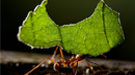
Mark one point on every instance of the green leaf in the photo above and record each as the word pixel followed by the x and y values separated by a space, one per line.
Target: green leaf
pixel 38 29
pixel 94 35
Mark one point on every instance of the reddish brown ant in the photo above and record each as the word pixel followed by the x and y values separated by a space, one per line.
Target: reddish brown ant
pixel 72 62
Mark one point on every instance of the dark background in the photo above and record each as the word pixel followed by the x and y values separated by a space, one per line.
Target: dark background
pixel 66 12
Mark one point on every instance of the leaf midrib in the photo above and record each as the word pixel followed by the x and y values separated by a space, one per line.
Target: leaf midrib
pixel 103 19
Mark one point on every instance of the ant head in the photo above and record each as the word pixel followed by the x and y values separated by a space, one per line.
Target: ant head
pixel 80 57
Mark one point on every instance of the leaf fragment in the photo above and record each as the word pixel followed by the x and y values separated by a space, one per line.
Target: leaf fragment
pixel 94 35
pixel 38 29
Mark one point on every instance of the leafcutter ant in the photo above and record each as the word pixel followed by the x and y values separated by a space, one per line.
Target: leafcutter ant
pixel 72 62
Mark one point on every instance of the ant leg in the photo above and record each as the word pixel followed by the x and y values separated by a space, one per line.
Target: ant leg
pixel 89 65
pixel 61 53
pixel 103 55
pixel 76 68
pixel 39 65
pixel 97 65
pixel 54 54
pixel 76 63
pixel 62 56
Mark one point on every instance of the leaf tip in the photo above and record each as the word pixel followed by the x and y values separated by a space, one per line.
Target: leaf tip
pixel 44 2
pixel 102 0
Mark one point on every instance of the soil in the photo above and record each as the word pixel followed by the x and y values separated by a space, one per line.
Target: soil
pixel 18 63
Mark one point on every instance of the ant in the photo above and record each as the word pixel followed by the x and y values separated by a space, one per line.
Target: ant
pixel 72 62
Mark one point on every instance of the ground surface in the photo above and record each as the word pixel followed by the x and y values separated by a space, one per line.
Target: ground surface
pixel 18 63
pixel 20 69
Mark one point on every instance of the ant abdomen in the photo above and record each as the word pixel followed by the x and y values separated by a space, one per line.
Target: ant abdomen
pixel 57 67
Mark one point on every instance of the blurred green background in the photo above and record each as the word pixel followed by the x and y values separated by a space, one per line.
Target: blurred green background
pixel 65 12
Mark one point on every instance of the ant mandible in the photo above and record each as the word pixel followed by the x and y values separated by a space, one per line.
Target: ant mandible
pixel 72 62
